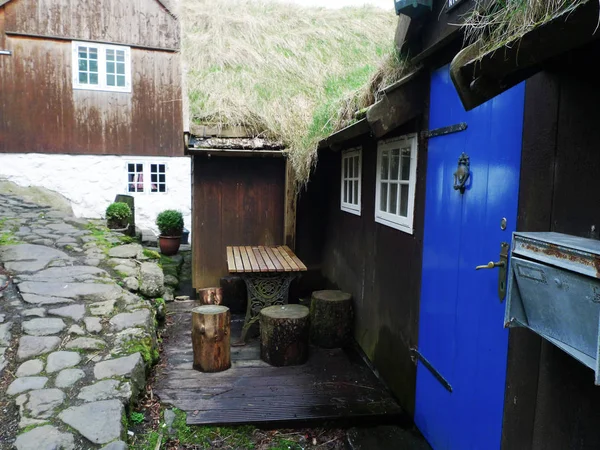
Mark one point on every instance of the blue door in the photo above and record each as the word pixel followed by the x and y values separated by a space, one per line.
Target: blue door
pixel 462 343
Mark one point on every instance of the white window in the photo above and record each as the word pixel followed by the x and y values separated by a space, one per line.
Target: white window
pixel 135 177
pixel 158 181
pixel 396 180
pixel 147 177
pixel 351 175
pixel 101 67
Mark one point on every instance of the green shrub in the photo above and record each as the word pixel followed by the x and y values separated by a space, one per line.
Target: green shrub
pixel 170 223
pixel 118 215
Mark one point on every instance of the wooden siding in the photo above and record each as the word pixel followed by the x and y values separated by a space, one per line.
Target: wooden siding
pixel 41 112
pixel 132 22
pixel 236 201
pixel 551 400
pixel 380 266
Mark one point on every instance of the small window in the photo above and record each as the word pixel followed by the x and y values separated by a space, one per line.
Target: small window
pixel 101 67
pixel 351 187
pixel 158 182
pixel 396 181
pixel 135 177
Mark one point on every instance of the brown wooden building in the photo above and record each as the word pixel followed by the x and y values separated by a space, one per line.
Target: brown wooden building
pixel 547 399
pixel 94 78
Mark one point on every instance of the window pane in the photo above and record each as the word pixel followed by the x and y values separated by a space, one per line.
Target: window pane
pixel 161 177
pixel 83 65
pixel 350 192
pixel 405 163
pixel 110 67
pixel 161 168
pixel 110 55
pixel 355 193
pixel 139 167
pixel 120 80
pixel 93 78
pixel 93 53
pixel 384 164
pixel 110 80
pixel 121 55
pixel 346 166
pixel 393 199
pixel 162 188
pixel 356 167
pixel 404 200
pixel 395 164
pixel 93 66
pixel 153 178
pixel 130 167
pixel 345 191
pixel 121 68
pixel 83 78
pixel 383 197
pixel 83 52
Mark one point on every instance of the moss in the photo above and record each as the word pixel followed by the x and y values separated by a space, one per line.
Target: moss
pixel 8 238
pixel 203 436
pixel 31 427
pixel 152 254
pixel 144 346
pixel 159 301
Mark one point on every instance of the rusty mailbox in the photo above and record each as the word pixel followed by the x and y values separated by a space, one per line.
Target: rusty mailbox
pixel 554 290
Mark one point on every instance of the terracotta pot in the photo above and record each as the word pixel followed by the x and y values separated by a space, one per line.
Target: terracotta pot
pixel 169 245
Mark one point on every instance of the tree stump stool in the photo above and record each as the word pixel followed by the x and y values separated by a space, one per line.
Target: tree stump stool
pixel 330 318
pixel 284 335
pixel 211 338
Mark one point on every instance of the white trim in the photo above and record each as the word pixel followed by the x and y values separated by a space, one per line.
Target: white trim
pixel 389 219
pixel 102 75
pixel 146 176
pixel 352 208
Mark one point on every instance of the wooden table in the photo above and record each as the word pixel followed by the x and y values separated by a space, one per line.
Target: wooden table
pixel 267 272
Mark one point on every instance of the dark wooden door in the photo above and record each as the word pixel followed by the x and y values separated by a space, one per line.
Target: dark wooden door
pixel 236 201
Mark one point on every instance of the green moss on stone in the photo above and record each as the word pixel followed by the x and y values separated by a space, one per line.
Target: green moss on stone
pixel 152 254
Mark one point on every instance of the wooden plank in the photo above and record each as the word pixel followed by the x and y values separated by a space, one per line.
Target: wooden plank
pixel 299 263
pixel 261 262
pixel 245 260
pixel 291 202
pixel 267 258
pixel 238 260
pixel 231 260
pixel 253 262
pixel 295 267
pixel 275 256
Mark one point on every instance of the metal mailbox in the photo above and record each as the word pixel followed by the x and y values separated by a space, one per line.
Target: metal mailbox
pixel 554 290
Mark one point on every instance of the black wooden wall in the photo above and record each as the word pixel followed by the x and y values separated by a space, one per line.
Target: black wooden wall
pixel 378 265
pixel 551 400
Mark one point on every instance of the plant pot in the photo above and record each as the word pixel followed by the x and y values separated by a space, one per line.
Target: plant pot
pixel 169 245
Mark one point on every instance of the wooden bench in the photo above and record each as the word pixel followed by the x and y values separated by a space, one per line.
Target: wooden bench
pixel 267 272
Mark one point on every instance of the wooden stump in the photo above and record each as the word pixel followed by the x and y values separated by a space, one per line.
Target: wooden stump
pixel 211 338
pixel 284 335
pixel 210 296
pixel 330 318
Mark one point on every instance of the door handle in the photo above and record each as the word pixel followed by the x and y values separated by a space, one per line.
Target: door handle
pixel 502 266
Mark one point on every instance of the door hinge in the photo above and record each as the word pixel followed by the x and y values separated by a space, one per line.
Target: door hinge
pixel 462 126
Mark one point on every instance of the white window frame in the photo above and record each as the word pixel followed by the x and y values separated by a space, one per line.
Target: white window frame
pixel 146 177
pixel 101 48
pixel 395 220
pixel 352 208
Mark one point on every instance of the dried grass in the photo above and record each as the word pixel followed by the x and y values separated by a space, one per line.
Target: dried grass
pixel 279 70
pixel 503 21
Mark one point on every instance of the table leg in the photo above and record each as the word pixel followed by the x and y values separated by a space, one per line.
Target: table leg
pixel 264 289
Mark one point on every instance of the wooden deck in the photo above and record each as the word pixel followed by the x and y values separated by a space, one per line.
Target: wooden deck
pixel 334 384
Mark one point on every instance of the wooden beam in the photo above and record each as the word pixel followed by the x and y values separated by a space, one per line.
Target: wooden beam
pixel 480 77
pixel 338 138
pixel 291 201
pixel 396 108
pixel 220 131
pixel 236 152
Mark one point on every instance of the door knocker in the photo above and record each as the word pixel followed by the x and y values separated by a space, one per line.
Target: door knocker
pixel 462 174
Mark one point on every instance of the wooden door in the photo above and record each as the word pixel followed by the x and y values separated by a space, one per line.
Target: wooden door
pixel 236 201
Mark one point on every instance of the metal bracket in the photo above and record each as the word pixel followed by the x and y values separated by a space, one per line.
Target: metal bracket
pixel 462 126
pixel 438 376
pixel 502 270
pixel 5 52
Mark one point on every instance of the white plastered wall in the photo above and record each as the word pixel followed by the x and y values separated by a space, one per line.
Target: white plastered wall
pixel 91 182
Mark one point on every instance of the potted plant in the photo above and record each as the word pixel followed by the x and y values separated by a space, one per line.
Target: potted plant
pixel 118 215
pixel 170 226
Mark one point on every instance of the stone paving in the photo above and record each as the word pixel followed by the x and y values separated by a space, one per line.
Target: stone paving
pixel 77 328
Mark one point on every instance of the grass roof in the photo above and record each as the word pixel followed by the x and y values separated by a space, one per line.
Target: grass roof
pixel 496 24
pixel 282 71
